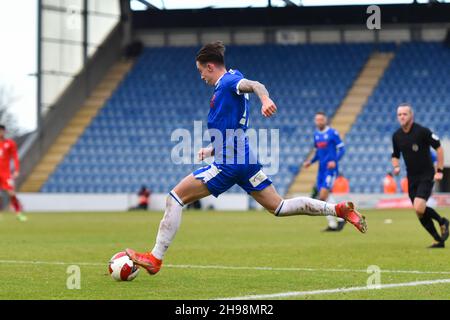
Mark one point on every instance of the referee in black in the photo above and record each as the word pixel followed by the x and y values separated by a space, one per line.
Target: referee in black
pixel 414 141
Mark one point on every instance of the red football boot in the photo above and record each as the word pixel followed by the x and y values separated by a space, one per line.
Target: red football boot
pixel 145 260
pixel 347 211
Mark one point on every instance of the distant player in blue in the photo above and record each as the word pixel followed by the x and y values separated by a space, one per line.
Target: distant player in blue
pixel 234 161
pixel 433 157
pixel 329 149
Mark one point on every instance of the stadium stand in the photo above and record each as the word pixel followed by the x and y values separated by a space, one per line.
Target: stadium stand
pixel 129 142
pixel 351 106
pixel 418 74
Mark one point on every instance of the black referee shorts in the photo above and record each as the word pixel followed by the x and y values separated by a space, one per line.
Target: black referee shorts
pixel 420 188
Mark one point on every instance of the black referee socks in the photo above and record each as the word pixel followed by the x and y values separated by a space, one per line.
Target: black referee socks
pixel 434 215
pixel 428 224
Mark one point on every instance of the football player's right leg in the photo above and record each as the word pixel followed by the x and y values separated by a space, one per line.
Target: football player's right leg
pixel 188 190
pixel 191 189
pixel 420 206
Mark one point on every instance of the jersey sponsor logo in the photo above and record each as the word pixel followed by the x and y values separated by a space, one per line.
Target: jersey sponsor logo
pixel 211 103
pixel 322 144
pixel 435 137
pixel 257 179
pixel 415 147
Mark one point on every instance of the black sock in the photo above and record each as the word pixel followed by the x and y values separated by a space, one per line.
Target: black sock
pixel 428 224
pixel 434 215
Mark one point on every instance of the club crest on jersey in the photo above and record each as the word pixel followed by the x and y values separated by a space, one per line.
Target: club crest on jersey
pixel 415 147
pixel 211 103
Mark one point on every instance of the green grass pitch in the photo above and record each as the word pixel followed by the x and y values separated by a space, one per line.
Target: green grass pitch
pixel 35 256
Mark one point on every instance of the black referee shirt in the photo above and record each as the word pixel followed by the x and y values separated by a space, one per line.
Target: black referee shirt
pixel 415 148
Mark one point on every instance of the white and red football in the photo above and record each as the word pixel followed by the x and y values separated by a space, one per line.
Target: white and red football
pixel 121 268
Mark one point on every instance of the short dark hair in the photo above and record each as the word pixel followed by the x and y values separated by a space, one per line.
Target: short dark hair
pixel 321 113
pixel 2 127
pixel 405 104
pixel 212 52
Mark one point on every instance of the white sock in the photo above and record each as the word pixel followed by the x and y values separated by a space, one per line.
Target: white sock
pixel 305 206
pixel 169 225
pixel 333 221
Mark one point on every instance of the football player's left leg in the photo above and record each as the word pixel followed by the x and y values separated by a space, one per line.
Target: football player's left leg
pixel 334 223
pixel 269 198
pixel 332 220
pixel 274 203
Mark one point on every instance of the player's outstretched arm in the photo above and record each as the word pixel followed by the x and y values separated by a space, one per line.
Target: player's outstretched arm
pixel 248 86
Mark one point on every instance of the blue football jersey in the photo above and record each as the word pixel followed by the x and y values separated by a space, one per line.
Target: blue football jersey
pixel 329 147
pixel 234 161
pixel 228 120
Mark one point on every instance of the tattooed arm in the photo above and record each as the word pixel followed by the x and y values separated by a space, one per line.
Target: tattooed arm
pixel 268 106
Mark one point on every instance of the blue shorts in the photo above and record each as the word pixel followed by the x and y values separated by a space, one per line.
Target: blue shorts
pixel 221 177
pixel 325 179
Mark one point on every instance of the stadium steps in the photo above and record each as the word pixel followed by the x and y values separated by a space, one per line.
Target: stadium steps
pixel 347 113
pixel 76 127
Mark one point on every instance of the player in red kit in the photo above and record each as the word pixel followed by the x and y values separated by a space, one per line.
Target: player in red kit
pixel 8 152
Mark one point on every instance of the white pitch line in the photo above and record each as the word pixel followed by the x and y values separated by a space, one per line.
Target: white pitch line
pixel 219 267
pixel 54 263
pixel 300 269
pixel 337 290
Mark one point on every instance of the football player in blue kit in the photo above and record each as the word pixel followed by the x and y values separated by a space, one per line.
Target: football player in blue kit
pixel 329 150
pixel 234 161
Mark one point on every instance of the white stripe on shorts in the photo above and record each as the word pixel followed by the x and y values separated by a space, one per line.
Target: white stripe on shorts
pixel 209 174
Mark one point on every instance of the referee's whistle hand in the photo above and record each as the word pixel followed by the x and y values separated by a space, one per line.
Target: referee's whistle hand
pixel 438 176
